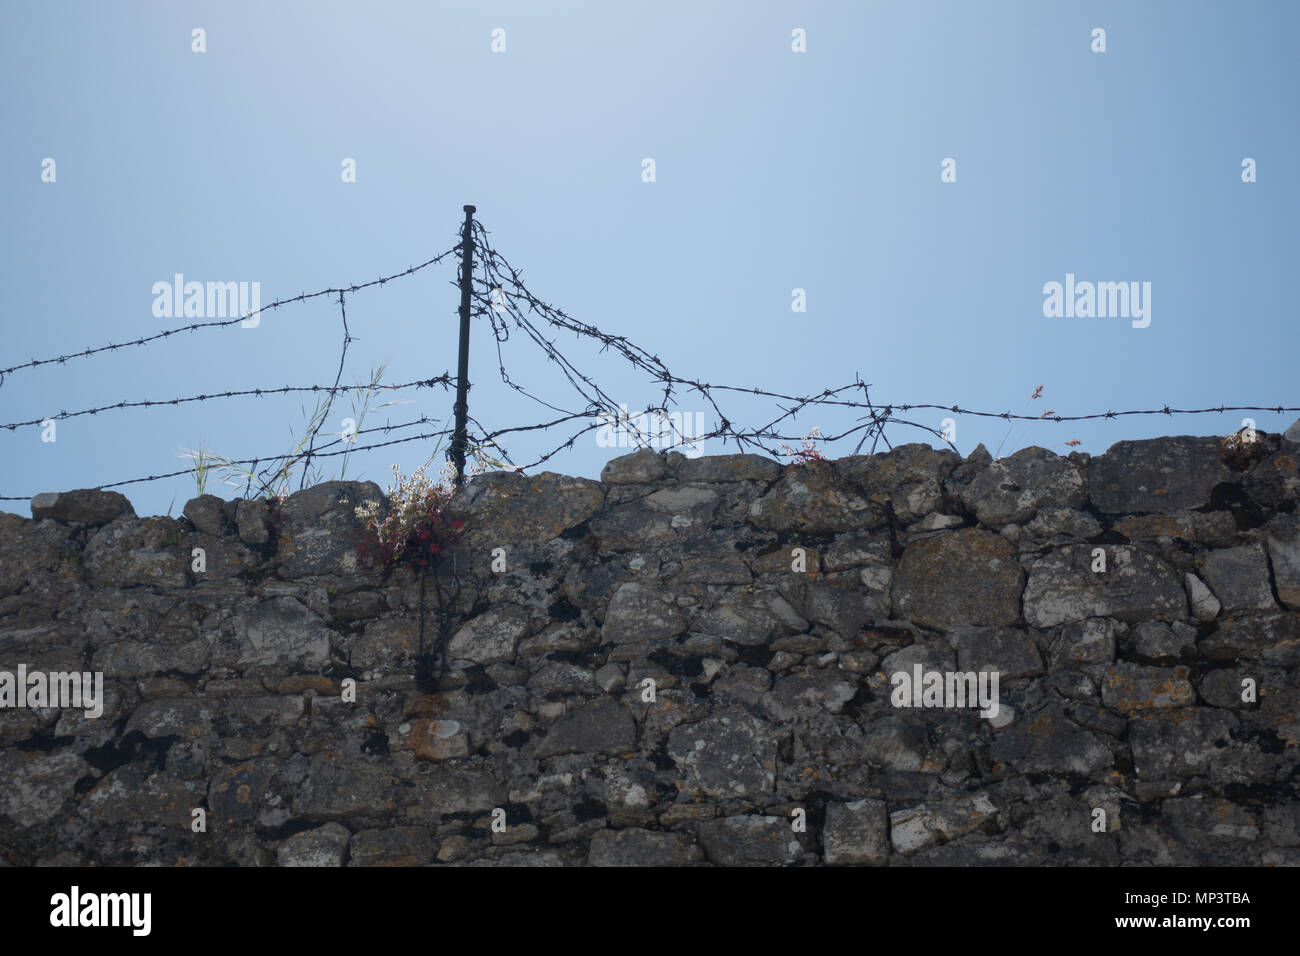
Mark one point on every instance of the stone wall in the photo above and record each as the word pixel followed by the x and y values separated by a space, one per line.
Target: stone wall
pixel 1147 706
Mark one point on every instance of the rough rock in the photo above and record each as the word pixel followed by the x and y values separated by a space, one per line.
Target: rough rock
pixel 970 577
pixel 1136 585
pixel 1012 490
pixel 85 506
pixel 1160 474
pixel 636 847
pixel 323 846
pixel 856 833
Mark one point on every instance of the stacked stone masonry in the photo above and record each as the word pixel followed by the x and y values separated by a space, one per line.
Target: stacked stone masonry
pixel 764 607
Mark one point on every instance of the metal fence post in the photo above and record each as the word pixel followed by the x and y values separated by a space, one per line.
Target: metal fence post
pixel 460 437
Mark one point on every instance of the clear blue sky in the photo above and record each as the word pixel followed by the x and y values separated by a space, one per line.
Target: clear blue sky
pixel 775 170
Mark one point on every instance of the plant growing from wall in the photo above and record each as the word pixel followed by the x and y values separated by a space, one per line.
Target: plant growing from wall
pixel 416 532
pixel 808 450
pixel 275 480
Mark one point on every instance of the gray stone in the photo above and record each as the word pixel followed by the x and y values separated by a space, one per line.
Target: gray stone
pixel 398 846
pixel 223 558
pixel 730 754
pixel 749 841
pixel 1179 742
pixel 641 466
pixel 729 468
pixel 931 655
pixel 320 531
pixel 130 551
pixel 1063 521
pixel 1239 578
pixel 1205 606
pixel 1009 652
pixel 911 476
pixel 1223 688
pixel 1272 639
pixel 799 694
pixel 38 785
pixel 856 834
pixel 492 637
pixel 1090 641
pixel 969 577
pixel 814 499
pixel 1048 742
pixel 640 614
pixel 687 503
pixel 204 513
pixel 507 506
pixel 746 684
pixel 601 727
pixel 557 678
pixel 1160 474
pixel 1216 829
pixel 636 847
pixel 750 619
pixel 238 795
pixel 323 846
pixel 849 551
pixel 26 548
pixel 84 506
pixel 937 522
pixel 1275 481
pixel 896 743
pixel 1135 586
pixel 1133 689
pixel 282 633
pixel 844 605
pixel 918 827
pixel 610 677
pixel 132 795
pixel 186 717
pixel 251 516
pixel 1012 490
pixel 448 789
pixel 1284 553
pixel 1151 639
pixel 718 570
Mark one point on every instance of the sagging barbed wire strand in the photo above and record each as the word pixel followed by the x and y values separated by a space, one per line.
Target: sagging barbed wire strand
pixel 502 293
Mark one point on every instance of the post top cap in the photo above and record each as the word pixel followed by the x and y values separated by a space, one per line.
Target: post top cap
pixel 470 209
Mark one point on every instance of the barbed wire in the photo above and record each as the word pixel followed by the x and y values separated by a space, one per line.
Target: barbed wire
pixel 195 326
pixel 278 466
pixel 224 463
pixel 445 380
pixel 497 290
pixel 502 294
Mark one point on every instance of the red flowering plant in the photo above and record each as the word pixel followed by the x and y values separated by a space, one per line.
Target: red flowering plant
pixel 415 529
